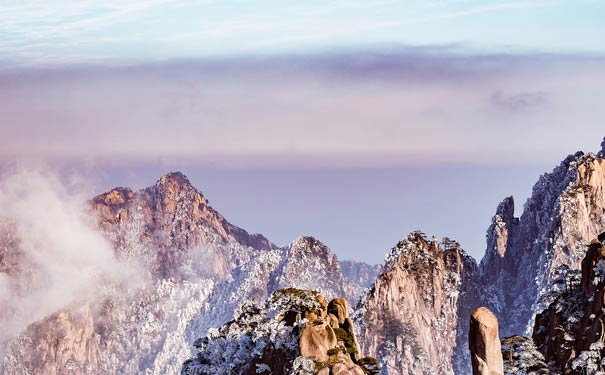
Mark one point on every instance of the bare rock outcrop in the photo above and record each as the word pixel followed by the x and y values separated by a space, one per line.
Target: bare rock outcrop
pixel 484 343
pixel 316 338
pixel 414 318
pixel 65 344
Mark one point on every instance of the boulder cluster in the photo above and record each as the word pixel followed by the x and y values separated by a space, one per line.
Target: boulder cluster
pixel 328 338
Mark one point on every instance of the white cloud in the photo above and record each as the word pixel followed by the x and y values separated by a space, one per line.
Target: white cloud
pixel 62 258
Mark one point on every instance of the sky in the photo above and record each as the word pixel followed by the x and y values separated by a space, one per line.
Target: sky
pixel 353 121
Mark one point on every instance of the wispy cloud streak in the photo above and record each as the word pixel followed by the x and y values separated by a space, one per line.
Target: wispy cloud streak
pixel 354 108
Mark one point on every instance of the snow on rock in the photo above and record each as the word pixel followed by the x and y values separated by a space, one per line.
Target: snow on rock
pixel 571 331
pixel 524 255
pixel 291 333
pixel 359 274
pixel 414 319
pixel 199 269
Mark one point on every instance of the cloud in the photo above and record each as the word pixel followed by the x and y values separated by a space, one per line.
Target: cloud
pixel 55 257
pixel 518 102
pixel 374 107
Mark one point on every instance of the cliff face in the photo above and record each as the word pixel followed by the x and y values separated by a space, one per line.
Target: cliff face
pixel 566 210
pixel 414 319
pixel 198 269
pixel 571 331
pixel 309 264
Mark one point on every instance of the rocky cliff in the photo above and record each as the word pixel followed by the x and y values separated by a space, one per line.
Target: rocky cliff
pixel 524 255
pixel 414 319
pixel 571 331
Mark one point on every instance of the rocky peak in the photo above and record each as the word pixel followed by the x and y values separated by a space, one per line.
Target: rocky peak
pixel 174 187
pixel 565 211
pixel 409 319
pixel 601 153
pixel 506 209
pixel 500 235
pixel 307 245
pixel 172 210
pixel 309 264
pixel 174 178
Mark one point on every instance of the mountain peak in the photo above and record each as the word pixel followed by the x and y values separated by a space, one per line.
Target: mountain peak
pixel 307 245
pixel 177 178
pixel 506 208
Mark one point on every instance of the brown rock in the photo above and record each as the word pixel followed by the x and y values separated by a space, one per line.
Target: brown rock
pixel 316 338
pixel 350 329
pixel 338 307
pixel 324 304
pixel 484 343
pixel 344 368
pixel 332 320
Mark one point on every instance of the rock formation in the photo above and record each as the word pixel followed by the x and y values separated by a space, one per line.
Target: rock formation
pixel 484 343
pixel 309 264
pixel 266 340
pixel 410 320
pixel 525 255
pixel 200 268
pixel 571 331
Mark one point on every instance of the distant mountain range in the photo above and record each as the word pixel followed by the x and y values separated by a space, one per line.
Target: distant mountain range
pixel 411 313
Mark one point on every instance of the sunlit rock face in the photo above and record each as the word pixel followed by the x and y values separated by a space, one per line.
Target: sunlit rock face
pixel 566 211
pixel 414 319
pixel 194 269
pixel 484 343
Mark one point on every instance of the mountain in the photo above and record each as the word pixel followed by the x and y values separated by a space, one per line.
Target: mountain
pixel 189 271
pixel 414 319
pixel 359 273
pixel 195 268
pixel 524 255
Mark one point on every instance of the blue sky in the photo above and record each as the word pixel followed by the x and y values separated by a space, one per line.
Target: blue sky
pixel 59 32
pixel 354 121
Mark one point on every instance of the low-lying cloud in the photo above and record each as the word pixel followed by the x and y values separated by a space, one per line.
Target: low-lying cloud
pixel 51 254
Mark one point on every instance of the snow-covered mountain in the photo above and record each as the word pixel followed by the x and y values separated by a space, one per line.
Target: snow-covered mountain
pixel 199 268
pixel 190 270
pixel 524 255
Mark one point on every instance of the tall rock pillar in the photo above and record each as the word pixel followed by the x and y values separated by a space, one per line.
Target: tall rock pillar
pixel 484 343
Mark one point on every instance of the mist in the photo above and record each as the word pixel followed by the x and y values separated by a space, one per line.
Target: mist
pixel 57 257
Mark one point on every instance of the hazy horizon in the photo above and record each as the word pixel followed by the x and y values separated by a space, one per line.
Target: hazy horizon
pixel 355 122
